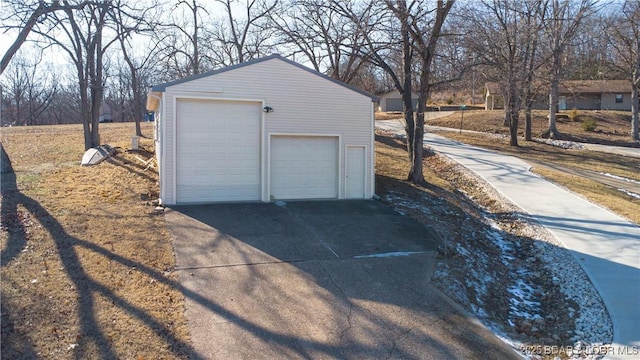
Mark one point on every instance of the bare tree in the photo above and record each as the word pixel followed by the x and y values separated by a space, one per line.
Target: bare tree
pixel 182 46
pixel 80 34
pixel 623 30
pixel 425 28
pixel 504 34
pixel 30 88
pixel 29 14
pixel 590 52
pixel 532 16
pixel 326 38
pixel 380 29
pixel 129 22
pixel 243 37
pixel 411 29
pixel 563 21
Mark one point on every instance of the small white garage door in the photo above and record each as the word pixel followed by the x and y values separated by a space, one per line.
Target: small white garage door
pixel 304 167
pixel 218 151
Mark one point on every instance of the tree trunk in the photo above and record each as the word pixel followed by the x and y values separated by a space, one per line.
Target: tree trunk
pixel 513 114
pixel 415 171
pixel 552 132
pixel 407 55
pixel 513 127
pixel 527 123
pixel 84 111
pixel 506 120
pixel 635 107
pixel 635 101
pixel 137 100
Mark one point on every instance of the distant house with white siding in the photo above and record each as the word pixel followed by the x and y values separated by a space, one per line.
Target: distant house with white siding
pixel 574 94
pixel 264 130
pixel 493 98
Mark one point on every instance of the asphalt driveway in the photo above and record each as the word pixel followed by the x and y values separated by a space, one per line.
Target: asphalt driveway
pixel 330 279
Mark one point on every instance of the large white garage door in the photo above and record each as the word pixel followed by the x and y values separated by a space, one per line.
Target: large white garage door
pixel 304 167
pixel 218 151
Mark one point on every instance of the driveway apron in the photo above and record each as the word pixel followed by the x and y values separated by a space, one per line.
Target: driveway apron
pixel 319 280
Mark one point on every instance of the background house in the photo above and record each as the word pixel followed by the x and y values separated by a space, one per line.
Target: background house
pixel 392 101
pixel 493 98
pixel 574 94
pixel 595 95
pixel 253 132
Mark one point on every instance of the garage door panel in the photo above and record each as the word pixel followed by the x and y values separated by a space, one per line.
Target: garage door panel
pixel 304 167
pixel 218 147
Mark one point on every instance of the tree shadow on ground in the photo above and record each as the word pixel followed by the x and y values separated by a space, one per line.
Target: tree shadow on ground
pixel 86 288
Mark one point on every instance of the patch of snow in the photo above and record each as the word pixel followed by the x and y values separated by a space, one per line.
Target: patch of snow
pixel 593 325
pixel 389 254
pixel 402 201
pixel 620 178
pixel 632 194
pixel 562 143
pixel 521 305
pixel 461 250
pixel 505 247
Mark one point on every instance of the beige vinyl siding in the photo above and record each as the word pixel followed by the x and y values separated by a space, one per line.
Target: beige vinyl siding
pixel 304 103
pixel 609 102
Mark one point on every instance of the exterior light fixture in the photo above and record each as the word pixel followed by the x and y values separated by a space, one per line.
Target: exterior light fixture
pixel 268 109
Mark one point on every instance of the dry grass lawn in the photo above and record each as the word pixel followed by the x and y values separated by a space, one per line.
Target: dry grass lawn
pixel 86 262
pixel 607 196
pixel 612 127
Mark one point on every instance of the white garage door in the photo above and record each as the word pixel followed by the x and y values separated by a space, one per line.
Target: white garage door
pixel 304 167
pixel 218 151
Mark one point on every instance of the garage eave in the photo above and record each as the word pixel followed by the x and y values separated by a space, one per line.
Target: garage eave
pixel 163 87
pixel 153 100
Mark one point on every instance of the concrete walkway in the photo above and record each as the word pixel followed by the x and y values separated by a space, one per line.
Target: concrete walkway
pixel 604 244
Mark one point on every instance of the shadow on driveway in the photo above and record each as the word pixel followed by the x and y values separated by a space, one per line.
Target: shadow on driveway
pixel 331 279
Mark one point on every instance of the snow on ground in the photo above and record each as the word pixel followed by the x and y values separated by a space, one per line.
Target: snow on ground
pixel 632 194
pixel 620 178
pixel 593 327
pixel 389 254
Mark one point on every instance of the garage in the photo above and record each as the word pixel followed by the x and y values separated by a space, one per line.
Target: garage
pixel 392 101
pixel 304 167
pixel 218 151
pixel 264 130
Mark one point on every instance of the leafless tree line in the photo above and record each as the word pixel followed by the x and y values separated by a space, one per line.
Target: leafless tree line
pixel 118 48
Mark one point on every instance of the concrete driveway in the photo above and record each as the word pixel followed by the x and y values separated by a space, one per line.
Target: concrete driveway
pixel 319 280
